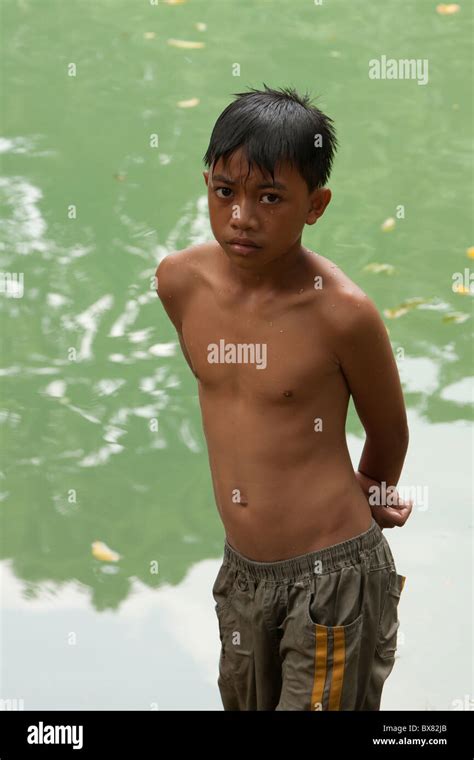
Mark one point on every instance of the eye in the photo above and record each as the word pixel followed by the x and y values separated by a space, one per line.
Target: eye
pixel 223 188
pixel 229 192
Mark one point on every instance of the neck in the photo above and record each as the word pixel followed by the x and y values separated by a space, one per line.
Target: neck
pixel 252 275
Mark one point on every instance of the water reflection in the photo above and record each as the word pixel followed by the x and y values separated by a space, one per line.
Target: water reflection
pixel 99 415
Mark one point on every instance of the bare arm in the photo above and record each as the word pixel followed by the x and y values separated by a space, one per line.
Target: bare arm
pixel 367 362
pixel 170 287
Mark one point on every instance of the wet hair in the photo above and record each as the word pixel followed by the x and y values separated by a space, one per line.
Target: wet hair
pixel 272 126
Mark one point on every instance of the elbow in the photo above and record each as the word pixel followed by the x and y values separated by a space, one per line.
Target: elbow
pixel 403 444
pixel 405 435
pixel 401 441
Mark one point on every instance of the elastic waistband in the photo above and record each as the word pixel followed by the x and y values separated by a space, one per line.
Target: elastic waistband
pixel 331 557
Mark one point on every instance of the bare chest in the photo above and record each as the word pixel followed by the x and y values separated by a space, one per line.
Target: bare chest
pixel 271 351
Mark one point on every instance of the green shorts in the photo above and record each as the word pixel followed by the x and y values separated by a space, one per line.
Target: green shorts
pixel 314 632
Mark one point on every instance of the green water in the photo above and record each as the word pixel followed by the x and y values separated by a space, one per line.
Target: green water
pixel 100 424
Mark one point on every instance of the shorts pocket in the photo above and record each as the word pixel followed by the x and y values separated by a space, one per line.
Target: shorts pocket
pixel 389 622
pixel 335 602
pixel 333 622
pixel 224 588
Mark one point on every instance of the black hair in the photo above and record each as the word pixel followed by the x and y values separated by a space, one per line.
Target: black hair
pixel 272 126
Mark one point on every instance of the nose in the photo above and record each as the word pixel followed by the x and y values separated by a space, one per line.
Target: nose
pixel 243 216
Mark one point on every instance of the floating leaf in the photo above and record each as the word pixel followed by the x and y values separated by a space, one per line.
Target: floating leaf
pixel 175 2
pixel 470 252
pixel 378 268
pixel 103 552
pixel 395 313
pixel 200 26
pixel 188 103
pixel 447 9
pixel 149 35
pixel 188 44
pixel 388 224
pixel 406 306
pixel 455 316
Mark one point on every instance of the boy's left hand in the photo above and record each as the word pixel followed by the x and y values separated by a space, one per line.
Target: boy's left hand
pixel 392 516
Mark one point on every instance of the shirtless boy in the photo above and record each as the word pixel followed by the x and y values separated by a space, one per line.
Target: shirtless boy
pixel 279 338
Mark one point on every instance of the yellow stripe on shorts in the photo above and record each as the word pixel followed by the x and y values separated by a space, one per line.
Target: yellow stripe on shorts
pixel 321 667
pixel 338 659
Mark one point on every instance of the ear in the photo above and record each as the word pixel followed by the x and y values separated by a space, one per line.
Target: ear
pixel 205 174
pixel 319 199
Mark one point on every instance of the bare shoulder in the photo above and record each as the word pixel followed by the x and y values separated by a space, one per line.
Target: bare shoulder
pixel 346 304
pixel 176 266
pixel 177 274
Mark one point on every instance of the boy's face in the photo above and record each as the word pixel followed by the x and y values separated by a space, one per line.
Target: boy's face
pixel 271 216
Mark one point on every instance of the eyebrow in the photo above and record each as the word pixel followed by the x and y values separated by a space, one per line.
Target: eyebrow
pixel 277 185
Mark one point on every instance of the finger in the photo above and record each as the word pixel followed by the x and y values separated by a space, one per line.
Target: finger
pixel 396 516
pixel 402 504
pixel 402 515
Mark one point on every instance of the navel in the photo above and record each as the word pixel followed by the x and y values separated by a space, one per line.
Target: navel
pixel 287 393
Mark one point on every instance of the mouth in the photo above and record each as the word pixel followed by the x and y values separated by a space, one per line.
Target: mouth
pixel 241 245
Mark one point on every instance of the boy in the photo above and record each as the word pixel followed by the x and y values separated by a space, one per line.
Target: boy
pixel 278 339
